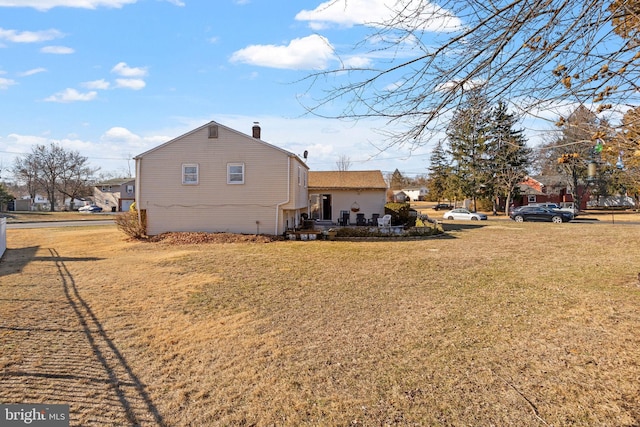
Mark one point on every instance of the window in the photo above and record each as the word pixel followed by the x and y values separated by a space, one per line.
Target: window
pixel 532 199
pixel 190 174
pixel 235 173
pixel 129 189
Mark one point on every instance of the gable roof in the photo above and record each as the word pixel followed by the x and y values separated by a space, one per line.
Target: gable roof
pixel 114 181
pixel 347 180
pixel 212 123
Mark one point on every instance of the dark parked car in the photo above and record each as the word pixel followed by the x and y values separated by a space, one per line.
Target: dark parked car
pixel 539 213
pixel 442 206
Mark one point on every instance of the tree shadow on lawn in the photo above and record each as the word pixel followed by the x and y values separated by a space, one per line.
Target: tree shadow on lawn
pixel 457 226
pixel 15 260
pixel 59 352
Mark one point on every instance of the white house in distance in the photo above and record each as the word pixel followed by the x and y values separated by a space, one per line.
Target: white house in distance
pixel 416 193
pixel 217 179
pixel 354 195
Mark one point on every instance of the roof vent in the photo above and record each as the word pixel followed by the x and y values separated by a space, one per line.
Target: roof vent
pixel 213 131
pixel 256 130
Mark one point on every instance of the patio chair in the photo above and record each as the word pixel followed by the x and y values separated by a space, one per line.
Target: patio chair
pixel 374 219
pixel 344 218
pixel 385 221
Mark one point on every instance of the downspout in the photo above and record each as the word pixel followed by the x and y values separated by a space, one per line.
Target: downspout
pixel 288 194
pixel 137 201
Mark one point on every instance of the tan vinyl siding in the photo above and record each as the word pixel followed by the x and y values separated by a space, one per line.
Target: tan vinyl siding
pixel 213 205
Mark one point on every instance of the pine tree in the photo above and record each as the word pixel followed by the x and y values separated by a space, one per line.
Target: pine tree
pixel 467 136
pixel 509 155
pixel 439 170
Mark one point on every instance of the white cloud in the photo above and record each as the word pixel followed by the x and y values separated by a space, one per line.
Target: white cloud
pixel 33 72
pixel 376 13
pixel 133 84
pixel 97 84
pixel 312 52
pixel 58 50
pixel 357 62
pixel 71 95
pixel 123 139
pixel 29 36
pixel 176 2
pixel 122 69
pixel 120 134
pixel 5 83
pixel 50 4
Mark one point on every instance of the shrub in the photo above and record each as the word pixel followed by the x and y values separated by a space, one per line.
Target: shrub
pixel 128 223
pixel 401 214
pixel 425 230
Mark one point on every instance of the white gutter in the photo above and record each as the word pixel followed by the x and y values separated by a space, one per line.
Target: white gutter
pixel 288 194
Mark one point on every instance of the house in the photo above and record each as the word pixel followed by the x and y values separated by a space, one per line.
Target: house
pixel 548 189
pixel 217 179
pixel 416 194
pixel 399 196
pixel 345 196
pixel 114 195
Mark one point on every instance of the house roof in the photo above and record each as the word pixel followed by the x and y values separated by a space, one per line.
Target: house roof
pixel 260 141
pixel 528 190
pixel 115 181
pixel 347 180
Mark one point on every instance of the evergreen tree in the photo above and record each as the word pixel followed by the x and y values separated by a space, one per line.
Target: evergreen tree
pixel 439 171
pixel 509 155
pixel 467 136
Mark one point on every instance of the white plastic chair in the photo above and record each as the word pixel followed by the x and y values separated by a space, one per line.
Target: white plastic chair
pixel 385 221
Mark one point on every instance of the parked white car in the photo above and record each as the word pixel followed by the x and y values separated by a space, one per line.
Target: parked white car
pixel 464 214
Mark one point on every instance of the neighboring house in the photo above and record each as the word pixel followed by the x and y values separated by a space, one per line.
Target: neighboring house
pixel 416 194
pixel 352 192
pixel 399 196
pixel 217 179
pixel 114 195
pixel 547 189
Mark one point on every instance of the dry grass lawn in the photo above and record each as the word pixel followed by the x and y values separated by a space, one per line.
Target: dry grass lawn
pixel 497 324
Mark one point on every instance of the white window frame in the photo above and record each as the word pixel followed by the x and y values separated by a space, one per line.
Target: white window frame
pixel 232 177
pixel 531 199
pixel 186 175
pixel 129 189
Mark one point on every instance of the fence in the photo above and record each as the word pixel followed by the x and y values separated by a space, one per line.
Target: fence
pixel 3 236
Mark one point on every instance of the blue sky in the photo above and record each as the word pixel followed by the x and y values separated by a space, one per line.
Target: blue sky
pixel 114 78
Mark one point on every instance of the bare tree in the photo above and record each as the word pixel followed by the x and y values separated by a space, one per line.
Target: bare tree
pixel 25 171
pixel 531 53
pixel 53 170
pixel 343 163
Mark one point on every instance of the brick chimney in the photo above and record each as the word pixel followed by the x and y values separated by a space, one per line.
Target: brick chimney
pixel 256 130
